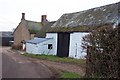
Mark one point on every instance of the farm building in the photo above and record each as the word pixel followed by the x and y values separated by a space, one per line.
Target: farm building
pixel 71 27
pixel 57 43
pixel 40 46
pixel 67 32
pixel 5 38
pixel 68 44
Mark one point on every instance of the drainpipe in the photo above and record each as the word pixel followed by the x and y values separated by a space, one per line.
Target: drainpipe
pixel 76 50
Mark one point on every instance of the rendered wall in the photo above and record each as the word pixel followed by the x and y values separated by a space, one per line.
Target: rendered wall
pixel 54 36
pixel 75 49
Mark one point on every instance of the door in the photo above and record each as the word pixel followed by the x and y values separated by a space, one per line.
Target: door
pixel 63 44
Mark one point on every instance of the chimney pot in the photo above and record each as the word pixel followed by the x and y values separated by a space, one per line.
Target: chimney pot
pixel 43 18
pixel 23 15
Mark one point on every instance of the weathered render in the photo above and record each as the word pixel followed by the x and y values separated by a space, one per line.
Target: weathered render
pixel 75 48
pixel 46 45
pixel 54 38
pixel 40 46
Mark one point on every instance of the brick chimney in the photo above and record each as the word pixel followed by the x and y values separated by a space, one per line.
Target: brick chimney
pixel 23 16
pixel 44 19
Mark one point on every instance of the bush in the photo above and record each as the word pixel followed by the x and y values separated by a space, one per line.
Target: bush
pixel 102 52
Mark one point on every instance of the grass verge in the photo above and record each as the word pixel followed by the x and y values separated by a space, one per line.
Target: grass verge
pixel 61 74
pixel 80 62
pixel 65 74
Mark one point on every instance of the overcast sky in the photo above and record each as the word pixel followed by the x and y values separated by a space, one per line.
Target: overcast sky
pixel 10 10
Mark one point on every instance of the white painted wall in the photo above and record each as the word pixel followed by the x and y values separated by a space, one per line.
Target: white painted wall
pixel 40 48
pixel 54 36
pixel 75 49
pixel 32 48
pixel 43 47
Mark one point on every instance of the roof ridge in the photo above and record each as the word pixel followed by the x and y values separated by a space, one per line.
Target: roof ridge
pixel 32 21
pixel 107 14
pixel 93 8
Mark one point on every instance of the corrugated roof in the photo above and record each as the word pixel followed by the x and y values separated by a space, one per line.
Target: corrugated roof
pixel 93 17
pixel 6 34
pixel 37 40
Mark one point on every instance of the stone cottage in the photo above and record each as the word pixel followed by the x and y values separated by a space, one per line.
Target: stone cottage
pixel 27 30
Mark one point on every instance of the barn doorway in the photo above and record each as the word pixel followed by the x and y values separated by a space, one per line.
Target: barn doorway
pixel 63 44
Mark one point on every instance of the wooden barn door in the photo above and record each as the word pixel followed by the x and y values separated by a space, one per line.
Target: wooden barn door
pixel 63 44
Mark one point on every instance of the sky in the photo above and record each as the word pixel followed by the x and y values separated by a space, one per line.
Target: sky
pixel 10 10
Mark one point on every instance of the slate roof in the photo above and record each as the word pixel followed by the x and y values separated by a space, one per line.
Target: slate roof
pixel 33 26
pixel 44 29
pixel 37 40
pixel 107 14
pixel 6 34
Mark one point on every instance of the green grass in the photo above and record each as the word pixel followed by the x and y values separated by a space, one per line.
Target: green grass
pixel 57 59
pixel 65 74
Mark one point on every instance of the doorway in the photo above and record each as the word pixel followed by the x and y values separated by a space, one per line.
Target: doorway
pixel 63 44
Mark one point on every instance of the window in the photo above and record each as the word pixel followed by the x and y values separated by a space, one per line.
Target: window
pixel 49 46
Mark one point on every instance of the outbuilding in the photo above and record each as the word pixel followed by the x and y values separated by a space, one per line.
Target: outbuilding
pixel 66 34
pixel 70 28
pixel 5 38
pixel 40 46
pixel 68 44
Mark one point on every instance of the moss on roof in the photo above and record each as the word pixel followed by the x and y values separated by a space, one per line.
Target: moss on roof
pixel 76 29
pixel 44 29
pixel 33 26
pixel 107 14
pixel 69 29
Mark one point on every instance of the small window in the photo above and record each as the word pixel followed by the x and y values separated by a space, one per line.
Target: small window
pixel 49 46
